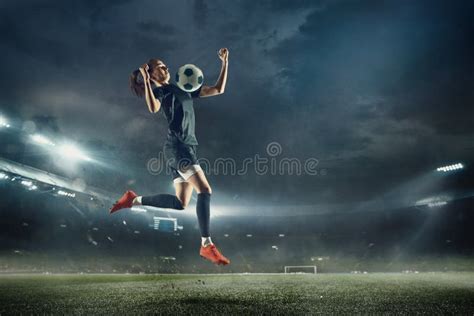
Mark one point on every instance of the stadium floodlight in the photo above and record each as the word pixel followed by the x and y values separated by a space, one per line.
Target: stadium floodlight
pixel 4 122
pixel 27 183
pixel 437 204
pixel 3 176
pixel 66 150
pixel 452 167
pixel 72 152
pixel 64 193
pixel 249 235
pixel 40 139
pixel 434 201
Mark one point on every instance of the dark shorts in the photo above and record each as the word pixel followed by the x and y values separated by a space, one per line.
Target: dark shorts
pixel 179 156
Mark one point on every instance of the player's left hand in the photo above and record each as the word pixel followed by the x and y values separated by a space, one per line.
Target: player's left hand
pixel 223 54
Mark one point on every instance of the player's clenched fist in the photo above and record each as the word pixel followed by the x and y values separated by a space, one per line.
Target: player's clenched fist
pixel 223 54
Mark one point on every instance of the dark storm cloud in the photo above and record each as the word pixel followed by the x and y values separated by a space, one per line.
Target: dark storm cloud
pixel 393 53
pixel 69 55
pixel 362 86
pixel 157 27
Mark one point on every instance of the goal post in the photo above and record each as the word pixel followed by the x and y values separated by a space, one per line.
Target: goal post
pixel 300 269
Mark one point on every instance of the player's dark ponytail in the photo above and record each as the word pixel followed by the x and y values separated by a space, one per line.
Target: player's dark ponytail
pixel 136 85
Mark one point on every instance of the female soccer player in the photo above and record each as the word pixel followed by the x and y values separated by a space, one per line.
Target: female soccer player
pixel 180 146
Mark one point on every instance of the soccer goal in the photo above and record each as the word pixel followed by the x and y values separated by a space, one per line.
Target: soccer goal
pixel 300 269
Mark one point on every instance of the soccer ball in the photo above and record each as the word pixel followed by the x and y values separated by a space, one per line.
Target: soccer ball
pixel 189 78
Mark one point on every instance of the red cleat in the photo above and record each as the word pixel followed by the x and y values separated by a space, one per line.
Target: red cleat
pixel 124 202
pixel 212 254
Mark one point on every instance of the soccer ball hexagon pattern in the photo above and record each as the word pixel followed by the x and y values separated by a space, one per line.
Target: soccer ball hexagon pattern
pixel 189 78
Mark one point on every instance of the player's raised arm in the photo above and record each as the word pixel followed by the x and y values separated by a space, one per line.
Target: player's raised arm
pixel 219 87
pixel 152 103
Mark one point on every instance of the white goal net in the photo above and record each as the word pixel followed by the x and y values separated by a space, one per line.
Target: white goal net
pixel 300 269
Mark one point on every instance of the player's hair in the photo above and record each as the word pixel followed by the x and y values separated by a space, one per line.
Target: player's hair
pixel 136 81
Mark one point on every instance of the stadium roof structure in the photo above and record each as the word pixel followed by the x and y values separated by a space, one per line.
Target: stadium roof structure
pixel 50 178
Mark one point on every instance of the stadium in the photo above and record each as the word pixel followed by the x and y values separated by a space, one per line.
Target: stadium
pixel 358 198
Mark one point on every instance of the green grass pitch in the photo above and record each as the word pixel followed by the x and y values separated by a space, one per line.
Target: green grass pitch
pixel 427 293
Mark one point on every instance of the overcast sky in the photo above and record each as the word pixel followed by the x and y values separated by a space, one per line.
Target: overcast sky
pixel 377 91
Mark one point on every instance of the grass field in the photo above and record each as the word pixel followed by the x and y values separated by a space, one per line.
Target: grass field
pixel 427 293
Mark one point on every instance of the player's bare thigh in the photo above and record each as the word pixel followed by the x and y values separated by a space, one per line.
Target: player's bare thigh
pixel 184 191
pixel 200 183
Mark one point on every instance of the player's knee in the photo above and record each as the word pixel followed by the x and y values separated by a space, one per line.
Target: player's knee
pixel 206 189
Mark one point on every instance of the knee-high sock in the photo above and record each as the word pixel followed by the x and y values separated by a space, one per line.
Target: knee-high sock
pixel 203 211
pixel 163 200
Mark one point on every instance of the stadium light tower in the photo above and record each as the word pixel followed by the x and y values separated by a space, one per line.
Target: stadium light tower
pixel 452 167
